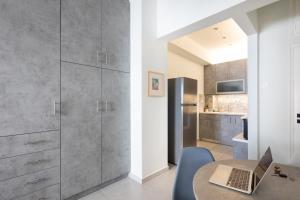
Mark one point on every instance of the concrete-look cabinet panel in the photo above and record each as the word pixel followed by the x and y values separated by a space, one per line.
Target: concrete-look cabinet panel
pixel 115 124
pixel 80 128
pixel 29 72
pixel 80 31
pixel 50 193
pixel 220 128
pixel 25 164
pixel 116 34
pixel 23 185
pixel 210 79
pixel 233 70
pixel 28 143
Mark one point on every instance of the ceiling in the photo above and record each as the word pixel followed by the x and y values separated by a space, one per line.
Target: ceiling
pixel 222 42
pixel 219 35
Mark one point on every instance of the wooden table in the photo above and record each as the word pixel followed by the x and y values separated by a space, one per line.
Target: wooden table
pixel 271 187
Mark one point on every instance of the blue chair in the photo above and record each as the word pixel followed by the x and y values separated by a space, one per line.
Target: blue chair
pixel 192 158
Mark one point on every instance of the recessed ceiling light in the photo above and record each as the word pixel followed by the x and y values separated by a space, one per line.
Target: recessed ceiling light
pixel 216 28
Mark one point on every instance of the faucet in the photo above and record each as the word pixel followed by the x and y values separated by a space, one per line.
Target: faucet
pixel 229 107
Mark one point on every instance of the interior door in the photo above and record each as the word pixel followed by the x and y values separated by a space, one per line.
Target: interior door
pixel 29 66
pixel 80 31
pixel 116 34
pixel 296 113
pixel 115 124
pixel 80 128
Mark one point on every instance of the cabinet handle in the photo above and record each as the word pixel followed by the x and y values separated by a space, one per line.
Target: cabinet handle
pixel 43 198
pixel 298 115
pixel 102 57
pixel 106 57
pixel 37 142
pixel 37 181
pixel 54 107
pixel 98 107
pixel 298 121
pixel 37 162
pixel 106 106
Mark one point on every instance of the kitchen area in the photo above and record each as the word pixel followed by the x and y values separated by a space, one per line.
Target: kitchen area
pixel 223 119
pixel 208 92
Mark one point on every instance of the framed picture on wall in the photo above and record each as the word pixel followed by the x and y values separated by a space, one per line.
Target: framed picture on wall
pixel 156 84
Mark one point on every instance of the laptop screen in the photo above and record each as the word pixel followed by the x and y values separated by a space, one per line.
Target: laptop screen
pixel 262 167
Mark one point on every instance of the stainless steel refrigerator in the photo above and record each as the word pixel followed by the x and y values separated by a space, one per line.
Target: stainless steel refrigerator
pixel 182 116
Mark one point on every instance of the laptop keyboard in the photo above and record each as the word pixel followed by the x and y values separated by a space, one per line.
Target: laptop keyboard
pixel 239 179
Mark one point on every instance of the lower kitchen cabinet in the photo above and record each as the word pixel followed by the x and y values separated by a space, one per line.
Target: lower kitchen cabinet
pixel 80 128
pixel 115 124
pixel 220 128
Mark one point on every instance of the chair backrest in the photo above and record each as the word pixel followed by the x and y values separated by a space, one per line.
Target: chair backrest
pixel 192 158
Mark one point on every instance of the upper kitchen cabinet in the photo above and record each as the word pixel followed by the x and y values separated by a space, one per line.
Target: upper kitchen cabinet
pixel 80 31
pixel 115 35
pixel 233 70
pixel 237 70
pixel 222 71
pixel 210 79
pixel 30 66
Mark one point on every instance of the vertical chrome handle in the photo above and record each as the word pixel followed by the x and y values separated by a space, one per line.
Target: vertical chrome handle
pixel 97 61
pixel 98 107
pixel 106 105
pixel 106 57
pixel 54 107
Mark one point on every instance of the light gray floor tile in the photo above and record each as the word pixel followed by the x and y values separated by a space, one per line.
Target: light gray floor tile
pixel 158 188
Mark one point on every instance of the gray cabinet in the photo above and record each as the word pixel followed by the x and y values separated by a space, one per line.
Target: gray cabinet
pixel 210 79
pixel 222 71
pixel 233 70
pixel 29 72
pixel 80 31
pixel 115 124
pixel 80 128
pixel 220 128
pixel 116 34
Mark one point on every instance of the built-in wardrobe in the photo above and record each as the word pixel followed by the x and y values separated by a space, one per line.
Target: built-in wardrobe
pixel 64 97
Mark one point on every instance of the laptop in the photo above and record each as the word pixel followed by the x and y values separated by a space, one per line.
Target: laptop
pixel 242 180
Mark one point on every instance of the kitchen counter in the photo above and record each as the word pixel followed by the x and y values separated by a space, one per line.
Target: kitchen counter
pixel 240 138
pixel 222 113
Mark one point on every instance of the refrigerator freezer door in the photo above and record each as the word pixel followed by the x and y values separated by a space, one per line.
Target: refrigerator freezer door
pixel 189 91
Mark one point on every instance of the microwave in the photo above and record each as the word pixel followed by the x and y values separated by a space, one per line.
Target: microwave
pixel 231 87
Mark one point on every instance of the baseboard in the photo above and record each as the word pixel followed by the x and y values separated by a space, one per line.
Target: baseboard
pixel 149 177
pixel 135 178
pixel 157 173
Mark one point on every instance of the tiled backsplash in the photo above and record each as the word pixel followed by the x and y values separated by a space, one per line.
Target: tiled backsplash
pixel 227 103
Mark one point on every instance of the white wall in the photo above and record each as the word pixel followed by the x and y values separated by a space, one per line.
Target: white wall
pixel 148 114
pixel 136 89
pixel 155 109
pixel 179 66
pixel 176 14
pixel 274 80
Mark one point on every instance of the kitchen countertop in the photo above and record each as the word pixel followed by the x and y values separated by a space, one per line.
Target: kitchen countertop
pixel 222 113
pixel 240 138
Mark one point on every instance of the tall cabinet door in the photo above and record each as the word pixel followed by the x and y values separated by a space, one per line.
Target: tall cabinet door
pixel 80 128
pixel 29 65
pixel 115 33
pixel 115 124
pixel 80 31
pixel 296 105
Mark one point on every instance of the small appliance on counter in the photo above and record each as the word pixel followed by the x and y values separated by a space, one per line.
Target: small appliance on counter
pixel 245 122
